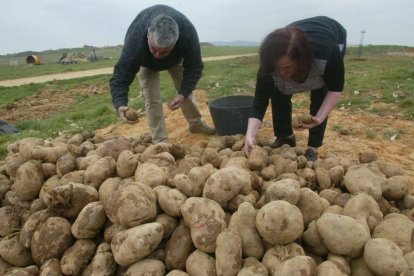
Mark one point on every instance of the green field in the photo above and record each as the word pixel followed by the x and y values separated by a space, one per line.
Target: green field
pixel 387 75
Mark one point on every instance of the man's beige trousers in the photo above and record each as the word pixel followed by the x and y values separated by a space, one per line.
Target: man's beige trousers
pixel 150 90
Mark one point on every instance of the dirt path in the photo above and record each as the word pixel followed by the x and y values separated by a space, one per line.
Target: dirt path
pixel 86 73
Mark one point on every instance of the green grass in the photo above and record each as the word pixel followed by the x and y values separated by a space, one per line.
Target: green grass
pixel 381 78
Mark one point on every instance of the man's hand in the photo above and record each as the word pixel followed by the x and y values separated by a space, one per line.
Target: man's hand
pixel 121 114
pixel 176 102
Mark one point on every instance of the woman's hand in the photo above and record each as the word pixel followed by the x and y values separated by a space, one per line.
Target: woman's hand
pixel 249 144
pixel 316 121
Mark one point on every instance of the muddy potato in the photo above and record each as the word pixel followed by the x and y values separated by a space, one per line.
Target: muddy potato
pixel 252 267
pixel 131 114
pixel 70 199
pixel 134 244
pixel 22 271
pixel 193 183
pixel 77 257
pixel 342 235
pixel 276 234
pixel 257 159
pixel 205 217
pixel 132 204
pixel 50 268
pixel 361 179
pixel 103 263
pixel 176 272
pixel 51 239
pixel 151 175
pixel 29 180
pixel 284 189
pixel 311 205
pixel 312 238
pixel 170 200
pixel 224 184
pixel 396 187
pixel 201 264
pixel 13 252
pixel 113 147
pixel 228 252
pixel 384 257
pixel 30 226
pixel 9 220
pixel 65 164
pixel 126 164
pixel 211 156
pixel 90 221
pixel 102 169
pixel 47 154
pixel 168 224
pixel 178 247
pixel 146 267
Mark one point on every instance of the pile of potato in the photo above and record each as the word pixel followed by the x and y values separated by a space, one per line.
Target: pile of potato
pixel 83 205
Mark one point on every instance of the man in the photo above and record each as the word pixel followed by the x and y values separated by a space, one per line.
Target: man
pixel 160 38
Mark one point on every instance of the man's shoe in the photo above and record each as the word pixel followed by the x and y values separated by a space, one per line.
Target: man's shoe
pixel 201 127
pixel 291 141
pixel 311 155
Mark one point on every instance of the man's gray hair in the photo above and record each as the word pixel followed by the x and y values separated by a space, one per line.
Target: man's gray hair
pixel 163 31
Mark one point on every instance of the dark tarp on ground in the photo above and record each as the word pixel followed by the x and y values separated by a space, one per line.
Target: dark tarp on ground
pixel 6 128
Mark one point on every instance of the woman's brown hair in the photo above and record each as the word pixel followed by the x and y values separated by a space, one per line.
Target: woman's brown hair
pixel 290 41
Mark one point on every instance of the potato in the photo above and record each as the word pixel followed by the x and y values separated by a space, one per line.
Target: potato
pixel 279 222
pixel 363 206
pixel 65 164
pixel 361 179
pixel 396 187
pixel 312 238
pixel 243 221
pixel 211 156
pixel 224 184
pixel 284 189
pixel 30 226
pixel 50 268
pixel 126 164
pixel 151 175
pixel 298 265
pixel 200 264
pixel 51 239
pixel 90 221
pixel 29 180
pixel 205 217
pixel 131 114
pixel 170 200
pixel 23 271
pixel 9 220
pixel 69 200
pixel 384 257
pixel 168 224
pixel 342 235
pixel 330 268
pixel 132 204
pixel 102 169
pixel 134 244
pixel 146 267
pixel 275 255
pixel 113 148
pixel 311 205
pixel 252 267
pixel 193 183
pixel 178 247
pixel 13 252
pixel 176 272
pixel 257 159
pixel 77 257
pixel 389 169
pixel 103 263
pixel 397 228
pixel 47 154
pixel 228 252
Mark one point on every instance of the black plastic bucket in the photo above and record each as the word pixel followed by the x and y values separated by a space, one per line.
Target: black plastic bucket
pixel 230 114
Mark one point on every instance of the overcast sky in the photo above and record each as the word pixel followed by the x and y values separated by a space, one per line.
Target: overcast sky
pixel 37 25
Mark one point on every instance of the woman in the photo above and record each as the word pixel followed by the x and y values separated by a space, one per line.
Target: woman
pixel 306 55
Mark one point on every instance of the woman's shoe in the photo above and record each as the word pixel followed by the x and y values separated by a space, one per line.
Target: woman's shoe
pixel 291 141
pixel 311 155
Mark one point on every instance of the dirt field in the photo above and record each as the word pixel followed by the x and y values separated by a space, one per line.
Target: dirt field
pixel 351 140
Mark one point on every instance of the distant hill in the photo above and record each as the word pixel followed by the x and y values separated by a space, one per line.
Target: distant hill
pixel 235 43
